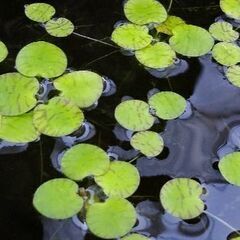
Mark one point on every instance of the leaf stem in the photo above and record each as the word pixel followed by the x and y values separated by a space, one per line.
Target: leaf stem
pixel 170 6
pixel 94 39
pixel 223 222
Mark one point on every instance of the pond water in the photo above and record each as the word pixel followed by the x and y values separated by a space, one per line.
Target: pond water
pixel 192 145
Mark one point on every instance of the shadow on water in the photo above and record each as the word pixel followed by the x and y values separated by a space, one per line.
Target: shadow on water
pixel 192 145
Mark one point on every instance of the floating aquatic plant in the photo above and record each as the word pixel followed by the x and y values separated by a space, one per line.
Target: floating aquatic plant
pixel 181 198
pixel 157 55
pixel 3 51
pixel 231 8
pixel 134 115
pixel 233 75
pixel 148 143
pixel 169 24
pixel 229 167
pixel 135 236
pixel 145 11
pixel 17 93
pixel 167 105
pixel 223 31
pixel 111 219
pixel 81 87
pixel 227 54
pixel 59 27
pixel 191 41
pixel 58 117
pixel 84 160
pixel 58 199
pixel 39 12
pixel 41 59
pixel 121 180
pixel 131 36
pixel 18 129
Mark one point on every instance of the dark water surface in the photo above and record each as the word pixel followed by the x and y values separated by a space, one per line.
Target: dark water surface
pixel 192 146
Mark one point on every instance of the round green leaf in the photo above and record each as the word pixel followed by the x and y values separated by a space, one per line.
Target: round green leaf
pixel 3 51
pixel 229 167
pixel 158 55
pixel 59 27
pixel 134 115
pixel 121 180
pixel 233 75
pixel 111 219
pixel 58 199
pixel 144 11
pixel 84 160
pixel 167 26
pixel 223 31
pixel 18 129
pixel 58 117
pixel 41 59
pixel 17 94
pixel 168 105
pixel 82 87
pixel 231 8
pixel 148 143
pixel 227 54
pixel 135 236
pixel 131 37
pixel 39 12
pixel 181 198
pixel 191 41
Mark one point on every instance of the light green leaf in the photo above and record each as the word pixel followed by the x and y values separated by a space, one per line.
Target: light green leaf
pixel 144 11
pixel 83 88
pixel 229 167
pixel 168 105
pixel 121 180
pixel 111 219
pixel 131 37
pixel 231 8
pixel 18 129
pixel 58 117
pixel 134 115
pixel 3 51
pixel 41 59
pixel 191 41
pixel 58 199
pixel 135 236
pixel 157 55
pixel 148 143
pixel 39 12
pixel 233 75
pixel 84 160
pixel 167 26
pixel 223 31
pixel 181 198
pixel 227 54
pixel 59 27
pixel 17 94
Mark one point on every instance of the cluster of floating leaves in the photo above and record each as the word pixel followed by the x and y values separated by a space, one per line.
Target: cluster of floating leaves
pixel 23 117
